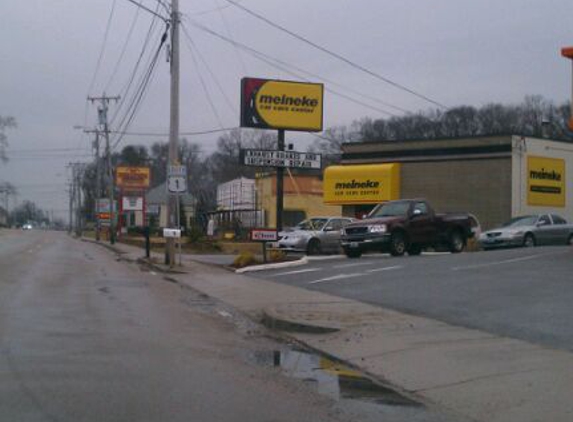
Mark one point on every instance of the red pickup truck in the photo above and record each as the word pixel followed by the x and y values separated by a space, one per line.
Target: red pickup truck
pixel 408 225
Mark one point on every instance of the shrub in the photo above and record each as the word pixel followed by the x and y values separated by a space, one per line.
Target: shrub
pixel 244 259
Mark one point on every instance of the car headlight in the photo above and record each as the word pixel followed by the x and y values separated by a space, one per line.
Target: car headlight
pixel 377 228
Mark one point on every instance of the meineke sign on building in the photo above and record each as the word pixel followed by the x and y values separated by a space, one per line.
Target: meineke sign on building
pixel 286 105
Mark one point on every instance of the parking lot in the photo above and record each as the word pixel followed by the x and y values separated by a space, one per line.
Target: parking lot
pixel 524 293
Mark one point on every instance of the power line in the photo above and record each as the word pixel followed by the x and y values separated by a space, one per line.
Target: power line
pixel 122 53
pixel 108 25
pixel 335 55
pixel 284 66
pixel 191 43
pixel 147 9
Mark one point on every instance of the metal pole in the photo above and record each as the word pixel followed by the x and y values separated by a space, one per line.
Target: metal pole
pixel 98 186
pixel 280 185
pixel 172 205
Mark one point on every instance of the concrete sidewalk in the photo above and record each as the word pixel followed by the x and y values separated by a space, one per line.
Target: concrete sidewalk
pixel 471 373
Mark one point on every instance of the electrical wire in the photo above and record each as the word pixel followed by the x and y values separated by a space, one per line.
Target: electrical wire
pixel 106 33
pixel 124 48
pixel 205 90
pixel 336 55
pixel 271 61
pixel 140 93
pixel 190 42
pixel 147 9
pixel 124 92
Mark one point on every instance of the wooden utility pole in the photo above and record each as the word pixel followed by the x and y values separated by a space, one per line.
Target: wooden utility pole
pixel 172 202
pixel 102 113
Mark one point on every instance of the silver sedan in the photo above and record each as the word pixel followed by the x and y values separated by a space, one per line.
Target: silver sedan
pixel 529 230
pixel 314 236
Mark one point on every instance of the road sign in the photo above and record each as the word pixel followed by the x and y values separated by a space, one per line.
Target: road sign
pixel 177 179
pixel 290 159
pixel 172 233
pixel 264 235
pixel 177 184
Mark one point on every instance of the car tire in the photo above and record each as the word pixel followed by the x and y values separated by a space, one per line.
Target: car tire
pixel 529 240
pixel 414 250
pixel 456 241
pixel 398 244
pixel 353 253
pixel 313 247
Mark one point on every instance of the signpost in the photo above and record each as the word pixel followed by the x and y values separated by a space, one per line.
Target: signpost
pixel 281 105
pixel 264 236
pixel 177 184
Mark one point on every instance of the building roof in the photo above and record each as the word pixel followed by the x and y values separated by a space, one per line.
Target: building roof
pixel 158 196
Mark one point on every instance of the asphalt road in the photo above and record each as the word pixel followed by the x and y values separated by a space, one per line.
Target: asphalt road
pixel 521 293
pixel 86 338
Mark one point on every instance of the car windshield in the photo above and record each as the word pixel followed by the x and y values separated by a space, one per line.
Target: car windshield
pixel 311 224
pixel 390 210
pixel 521 221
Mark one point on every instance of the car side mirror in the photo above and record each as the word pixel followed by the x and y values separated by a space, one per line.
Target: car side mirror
pixel 416 213
pixel 329 229
pixel 541 223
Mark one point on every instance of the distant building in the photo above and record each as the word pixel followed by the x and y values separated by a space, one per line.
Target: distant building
pixel 237 194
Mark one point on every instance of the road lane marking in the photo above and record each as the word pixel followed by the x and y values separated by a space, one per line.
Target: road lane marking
pixel 506 261
pixel 375 270
pixel 356 264
pixel 336 277
pixel 306 270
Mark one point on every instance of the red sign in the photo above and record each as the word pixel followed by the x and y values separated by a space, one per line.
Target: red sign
pixel 264 235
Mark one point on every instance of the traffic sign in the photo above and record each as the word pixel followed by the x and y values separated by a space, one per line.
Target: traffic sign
pixel 290 159
pixel 177 184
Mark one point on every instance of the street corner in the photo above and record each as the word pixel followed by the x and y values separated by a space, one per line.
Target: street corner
pixel 273 266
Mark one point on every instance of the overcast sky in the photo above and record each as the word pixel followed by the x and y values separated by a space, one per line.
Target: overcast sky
pixel 451 51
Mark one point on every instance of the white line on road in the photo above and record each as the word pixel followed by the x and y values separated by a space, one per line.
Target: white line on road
pixel 375 270
pixel 507 261
pixel 336 277
pixel 356 264
pixel 306 270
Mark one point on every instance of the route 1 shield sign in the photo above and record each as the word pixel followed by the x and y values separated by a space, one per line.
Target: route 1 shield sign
pixel 177 179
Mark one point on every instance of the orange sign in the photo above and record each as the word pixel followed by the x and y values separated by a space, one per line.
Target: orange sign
pixel 132 177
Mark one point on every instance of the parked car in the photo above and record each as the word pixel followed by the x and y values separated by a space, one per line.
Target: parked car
pixel 27 226
pixel 314 236
pixel 529 230
pixel 408 225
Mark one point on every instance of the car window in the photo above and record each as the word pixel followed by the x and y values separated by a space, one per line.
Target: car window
pixel 558 219
pixel 311 224
pixel 422 207
pixel 392 209
pixel 544 219
pixel 521 221
pixel 334 224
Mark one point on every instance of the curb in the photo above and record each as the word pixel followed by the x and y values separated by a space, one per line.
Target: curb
pixel 276 323
pixel 278 265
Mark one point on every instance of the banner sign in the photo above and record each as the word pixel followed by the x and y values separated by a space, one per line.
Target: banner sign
pixel 132 177
pixel 288 105
pixel 264 235
pixel 545 181
pixel 132 203
pixel 290 159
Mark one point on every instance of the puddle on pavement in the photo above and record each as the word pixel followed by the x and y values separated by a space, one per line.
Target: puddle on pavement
pixel 331 378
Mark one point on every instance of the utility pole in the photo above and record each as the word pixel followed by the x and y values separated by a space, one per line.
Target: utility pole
pixel 172 202
pixel 78 176
pixel 102 113
pixel 98 181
